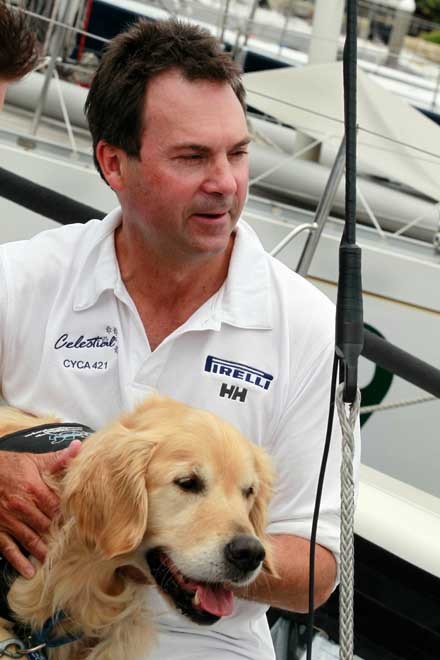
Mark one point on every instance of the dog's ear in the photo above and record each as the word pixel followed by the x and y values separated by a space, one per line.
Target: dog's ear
pixel 105 490
pixel 258 513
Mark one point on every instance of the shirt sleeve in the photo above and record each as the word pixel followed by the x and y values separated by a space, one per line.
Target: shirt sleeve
pixel 297 449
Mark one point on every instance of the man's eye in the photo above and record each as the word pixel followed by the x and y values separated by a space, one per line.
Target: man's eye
pixel 192 484
pixel 192 157
pixel 240 152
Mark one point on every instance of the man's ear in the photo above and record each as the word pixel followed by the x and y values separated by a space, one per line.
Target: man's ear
pixel 105 491
pixel 111 160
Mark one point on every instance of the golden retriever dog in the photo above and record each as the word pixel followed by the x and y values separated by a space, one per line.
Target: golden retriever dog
pixel 167 495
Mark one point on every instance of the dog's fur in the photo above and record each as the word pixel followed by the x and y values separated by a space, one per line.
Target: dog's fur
pixel 165 477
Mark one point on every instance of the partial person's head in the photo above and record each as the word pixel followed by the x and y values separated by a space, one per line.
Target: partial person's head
pixel 18 47
pixel 166 110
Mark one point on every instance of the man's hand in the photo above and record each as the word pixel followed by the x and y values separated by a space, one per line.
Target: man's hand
pixel 27 504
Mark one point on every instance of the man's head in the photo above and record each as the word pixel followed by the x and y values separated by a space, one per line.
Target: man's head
pixel 18 51
pixel 166 111
pixel 115 103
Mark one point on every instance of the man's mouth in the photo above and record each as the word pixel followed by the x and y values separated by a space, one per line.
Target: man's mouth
pixel 203 602
pixel 211 215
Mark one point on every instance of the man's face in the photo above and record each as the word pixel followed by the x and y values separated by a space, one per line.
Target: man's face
pixel 186 193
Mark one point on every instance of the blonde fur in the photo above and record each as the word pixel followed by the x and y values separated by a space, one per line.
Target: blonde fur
pixel 118 499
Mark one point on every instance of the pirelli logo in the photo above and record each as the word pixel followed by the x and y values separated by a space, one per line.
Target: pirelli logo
pixel 238 371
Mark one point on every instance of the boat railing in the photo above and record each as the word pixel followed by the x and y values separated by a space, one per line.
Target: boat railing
pixel 362 197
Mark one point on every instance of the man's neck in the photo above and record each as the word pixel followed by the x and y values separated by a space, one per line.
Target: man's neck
pixel 167 292
pixel 168 278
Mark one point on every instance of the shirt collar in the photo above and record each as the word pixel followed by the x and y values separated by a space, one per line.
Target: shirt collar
pixel 98 267
pixel 245 298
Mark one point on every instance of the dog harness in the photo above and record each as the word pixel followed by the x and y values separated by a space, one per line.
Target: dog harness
pixel 36 642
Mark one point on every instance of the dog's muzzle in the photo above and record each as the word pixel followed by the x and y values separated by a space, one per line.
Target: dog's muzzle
pixel 205 602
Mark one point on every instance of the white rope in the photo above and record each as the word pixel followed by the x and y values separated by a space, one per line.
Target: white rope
pixel 397 404
pixel 346 589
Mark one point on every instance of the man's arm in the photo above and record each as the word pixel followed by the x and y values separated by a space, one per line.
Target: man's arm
pixel 290 590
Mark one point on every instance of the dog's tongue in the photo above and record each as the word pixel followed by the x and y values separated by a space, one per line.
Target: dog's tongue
pixel 216 600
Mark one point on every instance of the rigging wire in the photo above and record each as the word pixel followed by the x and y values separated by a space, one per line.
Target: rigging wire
pixel 341 121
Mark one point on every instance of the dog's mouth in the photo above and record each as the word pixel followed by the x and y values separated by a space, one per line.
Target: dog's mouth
pixel 203 602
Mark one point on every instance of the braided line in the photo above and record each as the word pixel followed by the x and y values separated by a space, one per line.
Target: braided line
pixel 346 590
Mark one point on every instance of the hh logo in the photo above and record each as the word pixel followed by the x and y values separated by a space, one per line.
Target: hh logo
pixel 233 392
pixel 239 371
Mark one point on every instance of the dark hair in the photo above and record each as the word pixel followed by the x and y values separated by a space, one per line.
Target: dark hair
pixel 115 102
pixel 18 45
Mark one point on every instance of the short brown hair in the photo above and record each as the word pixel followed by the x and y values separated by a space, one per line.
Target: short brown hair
pixel 115 101
pixel 18 45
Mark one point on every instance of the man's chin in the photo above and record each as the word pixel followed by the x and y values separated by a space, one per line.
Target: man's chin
pixel 213 240
pixel 207 249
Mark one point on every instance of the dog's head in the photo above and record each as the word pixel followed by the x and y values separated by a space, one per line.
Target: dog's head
pixel 180 495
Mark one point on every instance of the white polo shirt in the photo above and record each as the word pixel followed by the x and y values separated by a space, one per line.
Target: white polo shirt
pixel 259 353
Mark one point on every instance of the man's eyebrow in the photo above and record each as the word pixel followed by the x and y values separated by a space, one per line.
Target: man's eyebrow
pixel 243 143
pixel 202 148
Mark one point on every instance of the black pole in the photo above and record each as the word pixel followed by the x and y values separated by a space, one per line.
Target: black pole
pixel 401 363
pixel 349 310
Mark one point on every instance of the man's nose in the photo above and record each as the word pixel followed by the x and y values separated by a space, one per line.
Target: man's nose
pixel 221 178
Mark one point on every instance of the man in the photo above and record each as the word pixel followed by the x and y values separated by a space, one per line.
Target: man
pixel 172 292
pixel 18 48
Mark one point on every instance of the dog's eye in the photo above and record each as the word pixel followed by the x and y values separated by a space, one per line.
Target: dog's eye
pixel 248 492
pixel 192 484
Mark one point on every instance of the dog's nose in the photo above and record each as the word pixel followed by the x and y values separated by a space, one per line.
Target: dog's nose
pixel 245 552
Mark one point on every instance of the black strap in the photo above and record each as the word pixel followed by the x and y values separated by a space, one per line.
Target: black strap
pixel 45 438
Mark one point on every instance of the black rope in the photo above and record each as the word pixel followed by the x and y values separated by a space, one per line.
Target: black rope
pixel 44 201
pixel 328 435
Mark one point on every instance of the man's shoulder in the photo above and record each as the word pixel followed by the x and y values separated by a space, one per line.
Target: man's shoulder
pixel 303 312
pixel 295 291
pixel 51 253
pixel 50 241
